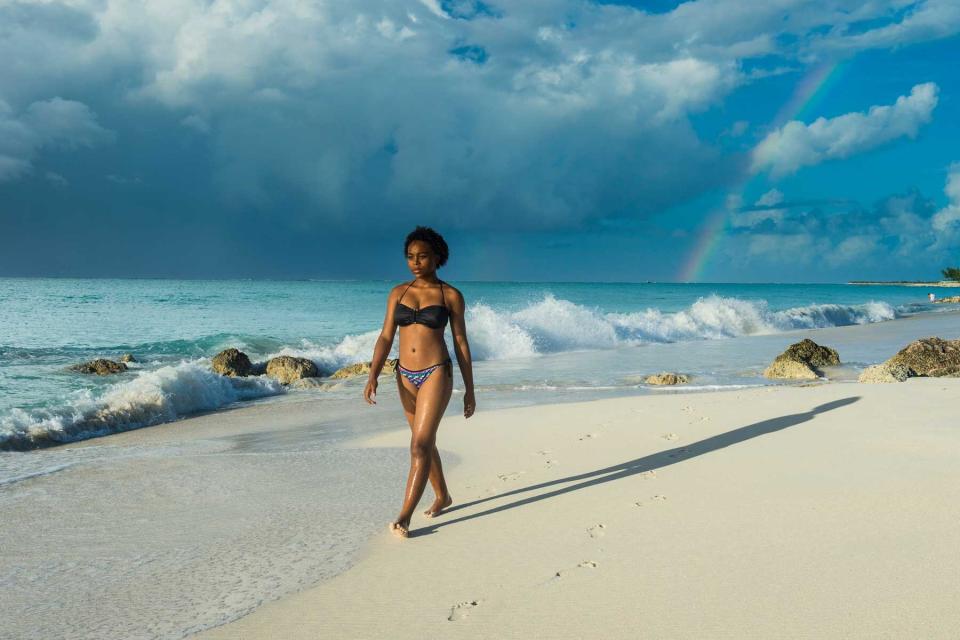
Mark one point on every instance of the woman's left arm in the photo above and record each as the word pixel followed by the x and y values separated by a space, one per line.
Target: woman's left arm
pixel 462 348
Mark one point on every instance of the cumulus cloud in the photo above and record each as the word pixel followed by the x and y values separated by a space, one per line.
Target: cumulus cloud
pixel 903 231
pixel 796 144
pixel 53 123
pixel 852 249
pixel 763 209
pixel 946 222
pixel 921 21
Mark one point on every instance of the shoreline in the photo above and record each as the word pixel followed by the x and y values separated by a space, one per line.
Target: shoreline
pixel 600 518
pixel 855 335
pixel 905 283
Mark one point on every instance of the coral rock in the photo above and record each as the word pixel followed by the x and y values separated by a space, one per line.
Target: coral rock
pixel 667 378
pixel 100 366
pixel 231 362
pixel 287 369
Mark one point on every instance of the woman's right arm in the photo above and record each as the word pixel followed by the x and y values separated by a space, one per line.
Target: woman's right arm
pixel 381 349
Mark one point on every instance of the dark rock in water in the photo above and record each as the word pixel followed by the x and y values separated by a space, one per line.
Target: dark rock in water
pixel 127 357
pixel 231 362
pixel 812 353
pixel 929 357
pixel 286 369
pixel 363 368
pixel 100 366
pixel 802 361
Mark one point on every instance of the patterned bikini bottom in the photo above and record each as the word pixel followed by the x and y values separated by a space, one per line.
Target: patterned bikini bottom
pixel 419 376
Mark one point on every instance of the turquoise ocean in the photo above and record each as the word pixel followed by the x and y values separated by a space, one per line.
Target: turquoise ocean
pixel 531 342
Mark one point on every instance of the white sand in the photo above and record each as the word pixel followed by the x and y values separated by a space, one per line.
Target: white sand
pixel 830 511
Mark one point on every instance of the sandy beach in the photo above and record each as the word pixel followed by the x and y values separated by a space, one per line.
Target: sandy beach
pixel 826 511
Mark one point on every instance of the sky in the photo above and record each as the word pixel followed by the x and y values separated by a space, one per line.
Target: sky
pixel 708 141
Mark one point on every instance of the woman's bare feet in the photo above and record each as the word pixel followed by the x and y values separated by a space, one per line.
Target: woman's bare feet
pixel 400 528
pixel 438 506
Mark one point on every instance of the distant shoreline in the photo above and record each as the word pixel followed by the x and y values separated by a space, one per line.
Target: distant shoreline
pixel 905 283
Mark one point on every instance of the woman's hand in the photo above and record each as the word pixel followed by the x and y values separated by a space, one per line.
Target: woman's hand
pixel 370 391
pixel 469 404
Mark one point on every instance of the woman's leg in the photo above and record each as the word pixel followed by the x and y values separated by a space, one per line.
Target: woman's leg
pixel 432 399
pixel 408 400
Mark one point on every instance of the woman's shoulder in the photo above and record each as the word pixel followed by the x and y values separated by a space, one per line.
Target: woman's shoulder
pixel 398 289
pixel 451 290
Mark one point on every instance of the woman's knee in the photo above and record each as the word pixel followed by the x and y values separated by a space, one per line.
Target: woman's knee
pixel 421 447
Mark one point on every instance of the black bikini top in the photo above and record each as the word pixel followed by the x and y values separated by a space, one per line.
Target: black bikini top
pixel 435 316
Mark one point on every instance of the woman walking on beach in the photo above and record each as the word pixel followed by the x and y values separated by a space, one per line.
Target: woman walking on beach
pixel 424 371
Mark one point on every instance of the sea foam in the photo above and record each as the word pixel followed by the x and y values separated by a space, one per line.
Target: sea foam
pixel 552 325
pixel 160 395
pixel 717 317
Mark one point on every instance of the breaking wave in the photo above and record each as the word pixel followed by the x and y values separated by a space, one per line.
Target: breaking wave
pixel 152 397
pixel 553 325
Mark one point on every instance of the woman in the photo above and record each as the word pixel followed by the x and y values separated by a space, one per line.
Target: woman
pixel 424 372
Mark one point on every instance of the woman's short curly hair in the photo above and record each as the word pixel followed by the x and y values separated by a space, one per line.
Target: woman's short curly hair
pixel 431 237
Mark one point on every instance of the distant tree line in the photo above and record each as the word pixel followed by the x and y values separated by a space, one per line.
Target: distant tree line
pixel 951 273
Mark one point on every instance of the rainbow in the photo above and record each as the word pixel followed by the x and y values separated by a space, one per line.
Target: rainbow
pixel 804 100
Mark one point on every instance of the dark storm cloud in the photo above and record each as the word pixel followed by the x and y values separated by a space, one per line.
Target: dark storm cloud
pixel 252 137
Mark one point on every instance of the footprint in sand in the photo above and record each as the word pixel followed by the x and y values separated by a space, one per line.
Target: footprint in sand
pixel 670 436
pixel 513 475
pixel 462 610
pixel 588 436
pixel 586 564
pixel 597 531
pixel 550 463
pixel 543 452
pixel 649 474
pixel 653 499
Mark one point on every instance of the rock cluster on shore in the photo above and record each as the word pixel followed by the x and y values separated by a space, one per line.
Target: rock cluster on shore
pixel 948 300
pixel 288 370
pixel 927 357
pixel 235 363
pixel 802 361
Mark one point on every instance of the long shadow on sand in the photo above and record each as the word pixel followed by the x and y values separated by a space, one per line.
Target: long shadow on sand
pixel 638 465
